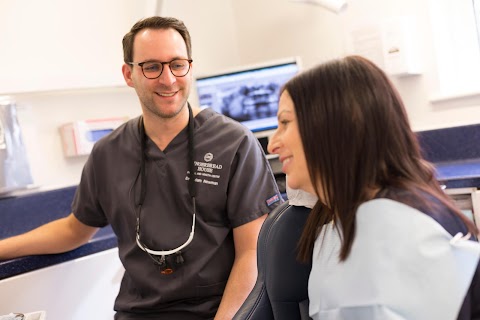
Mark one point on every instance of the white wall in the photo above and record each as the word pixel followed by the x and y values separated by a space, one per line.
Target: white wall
pixel 316 34
pixel 230 33
pixel 58 44
pixel 41 114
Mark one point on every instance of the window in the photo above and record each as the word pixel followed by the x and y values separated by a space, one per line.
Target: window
pixel 476 8
pixel 456 45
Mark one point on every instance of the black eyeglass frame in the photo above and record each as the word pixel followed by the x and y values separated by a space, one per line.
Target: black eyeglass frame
pixel 140 64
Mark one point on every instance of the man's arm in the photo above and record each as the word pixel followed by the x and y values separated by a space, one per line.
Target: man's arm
pixel 244 271
pixel 54 237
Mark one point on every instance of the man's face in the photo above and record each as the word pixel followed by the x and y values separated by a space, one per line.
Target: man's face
pixel 165 96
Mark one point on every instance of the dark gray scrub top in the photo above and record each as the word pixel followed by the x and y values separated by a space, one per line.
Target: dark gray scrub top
pixel 234 183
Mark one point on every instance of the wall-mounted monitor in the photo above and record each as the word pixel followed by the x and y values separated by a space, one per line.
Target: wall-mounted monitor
pixel 248 95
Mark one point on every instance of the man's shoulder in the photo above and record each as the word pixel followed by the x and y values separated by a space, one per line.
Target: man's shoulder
pixel 212 121
pixel 124 136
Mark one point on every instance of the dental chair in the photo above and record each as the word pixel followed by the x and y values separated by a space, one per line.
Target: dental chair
pixel 280 292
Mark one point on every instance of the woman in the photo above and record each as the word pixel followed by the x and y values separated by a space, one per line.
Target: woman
pixel 385 240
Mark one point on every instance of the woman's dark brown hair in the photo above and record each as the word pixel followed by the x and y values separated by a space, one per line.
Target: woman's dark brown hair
pixel 357 140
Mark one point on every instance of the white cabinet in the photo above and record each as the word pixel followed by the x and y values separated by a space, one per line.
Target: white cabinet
pixel 84 288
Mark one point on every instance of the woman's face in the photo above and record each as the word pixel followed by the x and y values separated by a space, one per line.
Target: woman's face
pixel 286 142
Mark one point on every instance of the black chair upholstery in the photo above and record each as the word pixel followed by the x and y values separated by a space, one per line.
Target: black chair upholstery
pixel 281 290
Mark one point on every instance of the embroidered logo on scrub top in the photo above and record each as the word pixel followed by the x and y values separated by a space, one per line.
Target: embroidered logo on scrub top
pixel 208 157
pixel 206 172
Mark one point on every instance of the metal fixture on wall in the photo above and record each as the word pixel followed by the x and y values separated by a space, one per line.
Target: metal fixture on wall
pixel 14 167
pixel 336 6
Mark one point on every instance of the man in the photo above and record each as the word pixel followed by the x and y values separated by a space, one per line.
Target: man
pixel 185 190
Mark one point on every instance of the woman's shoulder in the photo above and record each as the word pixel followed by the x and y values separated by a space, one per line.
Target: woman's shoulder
pixel 428 204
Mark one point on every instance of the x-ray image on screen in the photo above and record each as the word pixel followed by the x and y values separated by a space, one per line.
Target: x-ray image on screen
pixel 249 96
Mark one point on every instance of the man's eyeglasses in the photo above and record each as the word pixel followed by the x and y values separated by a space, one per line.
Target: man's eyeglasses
pixel 153 69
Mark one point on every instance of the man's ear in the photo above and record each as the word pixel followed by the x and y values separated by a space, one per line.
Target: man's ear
pixel 127 74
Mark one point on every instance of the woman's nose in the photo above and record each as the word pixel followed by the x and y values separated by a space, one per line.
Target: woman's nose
pixel 273 143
